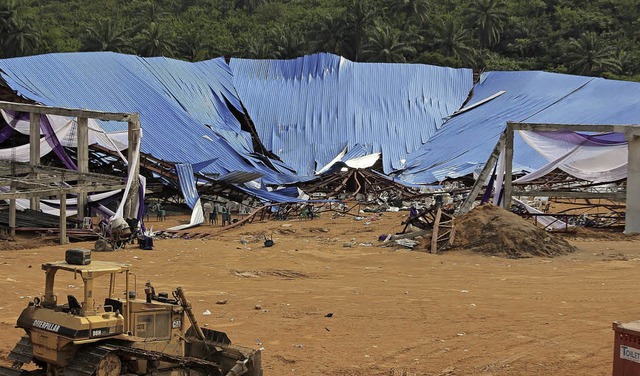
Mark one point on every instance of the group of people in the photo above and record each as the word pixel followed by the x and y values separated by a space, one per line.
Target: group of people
pixel 212 210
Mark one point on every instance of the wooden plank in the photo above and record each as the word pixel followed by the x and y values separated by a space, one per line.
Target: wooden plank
pixel 508 167
pixel 63 217
pixel 616 196
pixel 484 176
pixel 52 191
pixel 70 112
pixel 34 151
pixel 434 236
pixel 453 232
pixel 12 215
pixel 82 160
pixel 632 129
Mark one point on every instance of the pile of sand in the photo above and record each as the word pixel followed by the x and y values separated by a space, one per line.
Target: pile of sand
pixel 492 230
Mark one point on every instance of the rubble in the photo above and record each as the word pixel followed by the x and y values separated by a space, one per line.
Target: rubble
pixel 491 230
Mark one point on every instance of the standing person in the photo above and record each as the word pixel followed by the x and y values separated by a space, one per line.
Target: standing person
pixel 225 214
pixel 213 218
pixel 208 209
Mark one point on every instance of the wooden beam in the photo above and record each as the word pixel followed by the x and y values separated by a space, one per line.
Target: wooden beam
pixel 632 216
pixel 508 167
pixel 134 168
pixel 69 112
pixel 483 177
pixel 624 129
pixel 617 196
pixel 52 191
pixel 34 150
pixel 434 235
pixel 63 217
pixel 82 160
pixel 12 215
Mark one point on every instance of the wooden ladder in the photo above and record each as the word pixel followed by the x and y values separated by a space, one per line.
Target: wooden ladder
pixel 443 232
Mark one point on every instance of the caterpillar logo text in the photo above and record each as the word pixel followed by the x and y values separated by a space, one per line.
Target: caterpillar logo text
pixel 46 326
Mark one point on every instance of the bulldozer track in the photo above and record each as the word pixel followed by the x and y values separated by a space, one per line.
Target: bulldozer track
pixel 23 351
pixel 21 354
pixel 211 368
pixel 86 361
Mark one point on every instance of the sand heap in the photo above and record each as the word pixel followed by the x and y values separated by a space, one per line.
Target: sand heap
pixel 492 230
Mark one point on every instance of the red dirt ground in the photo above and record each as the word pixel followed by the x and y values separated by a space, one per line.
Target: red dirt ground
pixel 456 313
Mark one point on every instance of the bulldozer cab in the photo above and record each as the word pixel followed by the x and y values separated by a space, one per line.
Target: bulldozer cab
pixel 87 306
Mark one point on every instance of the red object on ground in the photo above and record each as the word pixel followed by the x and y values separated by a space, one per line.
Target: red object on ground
pixel 626 349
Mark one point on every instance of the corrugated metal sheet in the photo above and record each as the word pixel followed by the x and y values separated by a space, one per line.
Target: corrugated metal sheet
pixel 465 142
pixel 182 105
pixel 306 110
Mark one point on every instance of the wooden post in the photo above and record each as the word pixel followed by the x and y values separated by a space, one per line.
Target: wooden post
pixel 632 216
pixel 63 217
pixel 12 213
pixel 83 161
pixel 508 167
pixel 483 177
pixel 434 236
pixel 34 151
pixel 134 168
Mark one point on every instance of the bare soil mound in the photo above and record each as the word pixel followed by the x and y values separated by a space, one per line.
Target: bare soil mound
pixel 492 230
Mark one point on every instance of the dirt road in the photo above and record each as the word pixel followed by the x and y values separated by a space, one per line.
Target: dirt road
pixel 456 313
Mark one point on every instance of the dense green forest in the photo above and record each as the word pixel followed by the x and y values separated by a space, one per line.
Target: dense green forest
pixel 596 37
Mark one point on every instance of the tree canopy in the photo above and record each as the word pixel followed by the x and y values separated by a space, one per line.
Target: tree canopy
pixel 598 37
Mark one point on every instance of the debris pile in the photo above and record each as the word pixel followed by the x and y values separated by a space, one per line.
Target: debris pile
pixel 492 230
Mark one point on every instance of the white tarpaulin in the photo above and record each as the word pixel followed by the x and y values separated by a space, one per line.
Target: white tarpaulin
pixel 596 158
pixel 549 223
pixel 66 131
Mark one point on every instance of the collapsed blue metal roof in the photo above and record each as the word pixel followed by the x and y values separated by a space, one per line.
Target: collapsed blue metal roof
pixel 182 106
pixel 463 145
pixel 307 110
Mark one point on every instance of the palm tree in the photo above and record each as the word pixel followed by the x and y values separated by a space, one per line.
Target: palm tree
pixel 359 16
pixel 155 42
pixel 191 45
pixel 591 54
pixel 385 45
pixel 287 43
pixel 154 12
pixel 9 11
pixel 454 40
pixel 20 39
pixel 249 5
pixel 254 47
pixel 411 9
pixel 488 18
pixel 330 35
pixel 105 36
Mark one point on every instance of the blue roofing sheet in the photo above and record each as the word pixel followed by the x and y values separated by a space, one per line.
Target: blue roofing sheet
pixel 308 109
pixel 464 143
pixel 182 105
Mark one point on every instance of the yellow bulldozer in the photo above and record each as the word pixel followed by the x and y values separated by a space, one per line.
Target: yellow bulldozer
pixel 125 335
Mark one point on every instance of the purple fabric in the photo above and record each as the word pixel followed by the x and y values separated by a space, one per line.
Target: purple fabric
pixel 7 131
pixel 53 141
pixel 16 117
pixel 487 194
pixel 585 139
